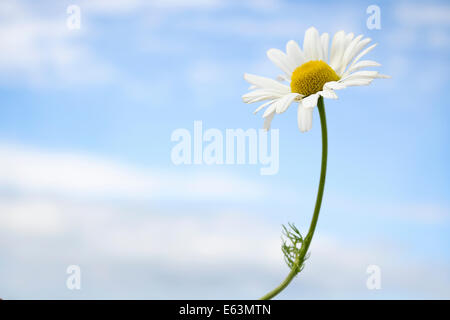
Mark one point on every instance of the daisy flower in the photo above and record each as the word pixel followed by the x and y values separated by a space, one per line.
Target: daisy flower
pixel 310 75
pixel 316 71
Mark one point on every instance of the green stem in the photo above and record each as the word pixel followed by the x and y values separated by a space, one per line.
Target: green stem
pixel 307 241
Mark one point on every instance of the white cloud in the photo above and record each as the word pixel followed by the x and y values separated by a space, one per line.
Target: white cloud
pixel 285 28
pixel 420 212
pixel 413 14
pixel 73 175
pixel 31 217
pixel 423 26
pixel 42 51
pixel 160 254
pixel 125 7
pixel 439 39
pixel 339 268
pixel 208 251
pixel 111 7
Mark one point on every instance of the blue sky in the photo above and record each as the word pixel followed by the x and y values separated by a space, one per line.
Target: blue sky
pixel 86 176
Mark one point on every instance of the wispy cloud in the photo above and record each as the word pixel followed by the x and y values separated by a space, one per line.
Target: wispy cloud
pixel 224 254
pixel 25 170
pixel 58 198
pixel 161 231
pixel 421 14
pixel 42 51
pixel 124 7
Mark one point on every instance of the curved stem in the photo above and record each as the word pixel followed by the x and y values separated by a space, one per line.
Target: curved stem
pixel 307 241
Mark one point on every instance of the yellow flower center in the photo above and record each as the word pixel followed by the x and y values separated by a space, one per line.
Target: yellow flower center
pixel 310 77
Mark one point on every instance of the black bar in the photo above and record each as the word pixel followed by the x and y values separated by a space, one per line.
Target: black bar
pixel 226 309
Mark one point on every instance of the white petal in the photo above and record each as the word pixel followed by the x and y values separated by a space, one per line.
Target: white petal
pixel 311 43
pixel 360 65
pixel 268 121
pixel 329 94
pixel 363 53
pixel 282 77
pixel 295 53
pixel 284 103
pixel 281 60
pixel 349 53
pixel 261 92
pixel 304 118
pixel 357 82
pixel 263 106
pixel 342 43
pixel 383 76
pixel 334 85
pixel 310 101
pixel 257 99
pixel 266 83
pixel 360 75
pixel 337 49
pixel 325 40
pixel 269 110
pixel 358 46
pixel 260 95
pixel 348 39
